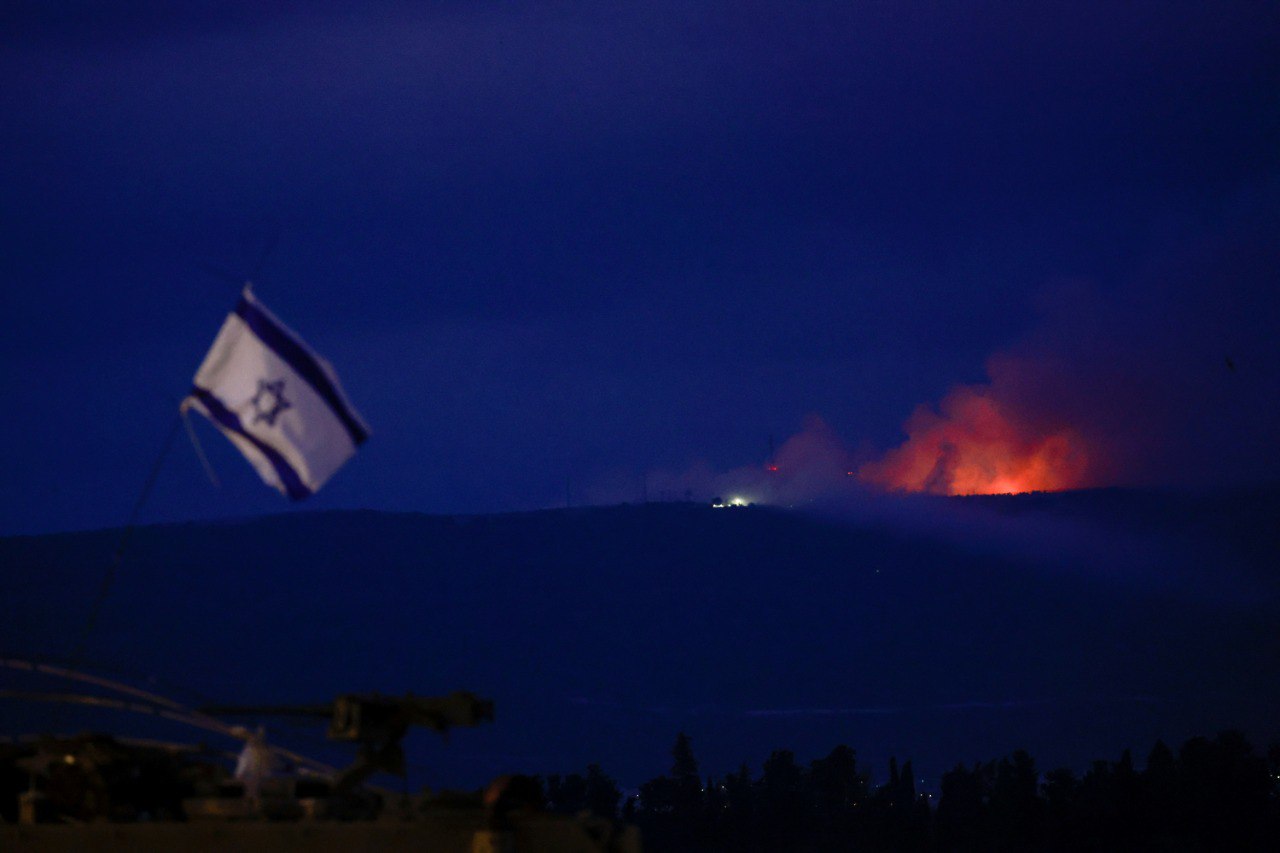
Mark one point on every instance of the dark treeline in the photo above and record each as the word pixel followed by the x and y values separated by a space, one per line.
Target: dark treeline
pixel 1217 794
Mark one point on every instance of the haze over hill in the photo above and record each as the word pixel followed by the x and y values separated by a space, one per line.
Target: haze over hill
pixel 942 630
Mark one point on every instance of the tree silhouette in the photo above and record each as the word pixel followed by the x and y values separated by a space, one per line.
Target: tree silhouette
pixel 1214 795
pixel 673 807
pixel 782 799
pixel 684 767
pixel 601 795
pixel 961 818
pixel 1159 794
pixel 1061 794
pixel 1014 800
pixel 567 794
pixel 838 791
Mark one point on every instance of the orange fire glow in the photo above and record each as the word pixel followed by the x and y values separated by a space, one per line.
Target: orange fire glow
pixel 974 445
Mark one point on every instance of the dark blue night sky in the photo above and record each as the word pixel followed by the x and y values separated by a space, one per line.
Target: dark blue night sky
pixel 556 251
pixel 563 253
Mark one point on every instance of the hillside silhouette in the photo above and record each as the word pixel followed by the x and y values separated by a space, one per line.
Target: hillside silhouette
pixel 1071 625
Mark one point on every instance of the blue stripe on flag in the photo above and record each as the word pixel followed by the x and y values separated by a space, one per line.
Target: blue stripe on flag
pixel 227 419
pixel 303 363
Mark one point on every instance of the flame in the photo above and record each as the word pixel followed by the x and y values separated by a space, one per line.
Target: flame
pixel 976 445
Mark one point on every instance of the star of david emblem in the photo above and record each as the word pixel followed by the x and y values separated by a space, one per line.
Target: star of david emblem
pixel 268 401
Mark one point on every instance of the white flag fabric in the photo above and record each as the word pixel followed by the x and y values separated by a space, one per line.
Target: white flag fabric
pixel 278 401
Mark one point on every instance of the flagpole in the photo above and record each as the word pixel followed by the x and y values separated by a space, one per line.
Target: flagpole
pixel 109 576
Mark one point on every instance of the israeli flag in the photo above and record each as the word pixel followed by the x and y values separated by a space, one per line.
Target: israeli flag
pixel 277 400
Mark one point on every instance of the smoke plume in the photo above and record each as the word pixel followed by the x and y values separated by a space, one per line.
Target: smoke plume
pixel 978 443
pixel 1171 379
pixel 810 464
